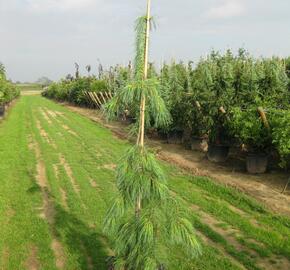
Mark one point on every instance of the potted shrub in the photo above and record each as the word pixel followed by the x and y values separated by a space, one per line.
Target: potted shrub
pixel 2 104
pixel 281 135
pixel 218 72
pixel 248 127
pixel 173 86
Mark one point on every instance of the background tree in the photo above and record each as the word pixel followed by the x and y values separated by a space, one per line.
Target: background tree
pixel 88 68
pixel 77 67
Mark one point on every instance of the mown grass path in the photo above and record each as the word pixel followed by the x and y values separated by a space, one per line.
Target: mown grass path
pixel 57 180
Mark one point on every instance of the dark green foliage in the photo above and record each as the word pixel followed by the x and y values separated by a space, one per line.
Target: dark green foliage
pixel 248 128
pixel 8 91
pixel 280 121
pixel 74 90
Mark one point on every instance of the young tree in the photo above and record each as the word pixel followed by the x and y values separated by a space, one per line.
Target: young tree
pixel 89 68
pixel 77 73
pixel 145 218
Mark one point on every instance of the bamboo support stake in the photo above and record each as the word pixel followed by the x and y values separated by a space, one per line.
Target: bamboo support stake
pixel 263 117
pixel 89 99
pixel 143 99
pixel 222 110
pixel 103 98
pixel 286 186
pixel 96 96
pixel 141 132
pixel 198 105
pixel 107 96
pixel 94 99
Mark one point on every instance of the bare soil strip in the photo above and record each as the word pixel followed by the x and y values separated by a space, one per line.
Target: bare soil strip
pixel 4 257
pixel 44 135
pixel 266 188
pixel 111 167
pixel 32 262
pixel 67 128
pixel 46 117
pixel 48 211
pixel 69 173
pixel 210 243
pixel 231 234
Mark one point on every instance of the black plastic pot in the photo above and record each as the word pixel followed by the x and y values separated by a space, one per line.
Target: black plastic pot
pixel 186 138
pixel 174 137
pixel 257 163
pixel 218 153
pixel 2 110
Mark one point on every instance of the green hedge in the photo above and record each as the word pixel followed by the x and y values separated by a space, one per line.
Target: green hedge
pixel 74 90
pixel 8 91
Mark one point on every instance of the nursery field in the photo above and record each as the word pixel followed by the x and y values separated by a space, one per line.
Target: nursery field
pixel 57 176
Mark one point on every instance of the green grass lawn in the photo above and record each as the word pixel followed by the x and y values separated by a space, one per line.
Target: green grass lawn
pixel 57 180
pixel 29 86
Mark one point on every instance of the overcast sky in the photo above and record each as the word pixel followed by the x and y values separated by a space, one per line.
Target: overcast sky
pixel 45 37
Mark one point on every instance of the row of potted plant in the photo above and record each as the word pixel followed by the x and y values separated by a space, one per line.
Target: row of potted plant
pixel 218 101
pixel 227 99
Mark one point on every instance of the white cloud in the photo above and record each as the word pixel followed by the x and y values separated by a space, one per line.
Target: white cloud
pixel 47 5
pixel 226 9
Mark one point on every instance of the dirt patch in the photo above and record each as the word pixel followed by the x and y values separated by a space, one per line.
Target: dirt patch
pixel 94 184
pixel 46 117
pixel 52 113
pixel 4 258
pixel 44 135
pixel 60 258
pixel 111 167
pixel 221 249
pixel 31 93
pixel 48 211
pixel 69 173
pixel 67 128
pixel 56 170
pixel 9 214
pixel 64 199
pixel 32 262
pixel 232 235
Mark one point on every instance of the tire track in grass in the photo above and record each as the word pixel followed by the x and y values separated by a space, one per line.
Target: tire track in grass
pixel 48 211
pixel 227 239
pixel 96 174
pixel 106 167
pixel 45 115
pixel 53 116
pixel 61 163
pixel 32 262
pixel 58 118
pixel 4 258
pixel 44 135
pixel 69 172
pixel 230 230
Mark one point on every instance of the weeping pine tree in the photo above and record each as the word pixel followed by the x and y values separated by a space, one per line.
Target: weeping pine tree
pixel 145 220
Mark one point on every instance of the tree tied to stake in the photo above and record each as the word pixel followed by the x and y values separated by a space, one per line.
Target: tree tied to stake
pixel 145 221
